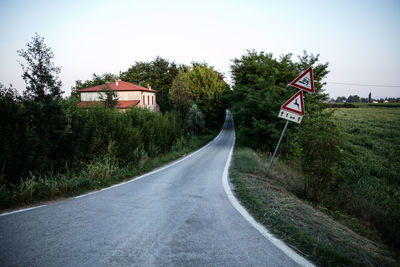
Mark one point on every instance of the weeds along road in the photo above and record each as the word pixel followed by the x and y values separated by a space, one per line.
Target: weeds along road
pixel 177 216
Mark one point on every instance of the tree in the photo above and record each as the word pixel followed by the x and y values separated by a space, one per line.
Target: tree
pixel 353 99
pixel 46 129
pixel 39 72
pixel 138 73
pixel 369 97
pixel 341 99
pixel 204 86
pixel 258 92
pixel 159 74
pixel 260 88
pixel 180 95
pixel 96 80
pixel 195 120
pixel 108 96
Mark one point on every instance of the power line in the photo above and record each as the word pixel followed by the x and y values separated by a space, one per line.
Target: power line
pixel 370 85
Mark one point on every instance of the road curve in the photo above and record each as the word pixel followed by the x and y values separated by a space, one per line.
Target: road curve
pixel 179 215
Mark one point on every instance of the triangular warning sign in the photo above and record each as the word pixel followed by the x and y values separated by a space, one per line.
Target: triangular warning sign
pixel 305 81
pixel 295 104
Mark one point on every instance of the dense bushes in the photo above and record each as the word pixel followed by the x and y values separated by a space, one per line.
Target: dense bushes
pixel 203 86
pixel 14 141
pixel 260 88
pixel 259 91
pixel 38 139
pixel 320 141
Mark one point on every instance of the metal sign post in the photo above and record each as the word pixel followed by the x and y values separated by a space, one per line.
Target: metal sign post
pixel 277 146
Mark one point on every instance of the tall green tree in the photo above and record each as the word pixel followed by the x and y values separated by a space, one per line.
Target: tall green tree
pixel 260 88
pixel 39 71
pixel 258 92
pixel 42 101
pixel 206 87
pixel 159 74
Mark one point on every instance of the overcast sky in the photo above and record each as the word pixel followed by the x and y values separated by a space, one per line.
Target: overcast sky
pixel 359 39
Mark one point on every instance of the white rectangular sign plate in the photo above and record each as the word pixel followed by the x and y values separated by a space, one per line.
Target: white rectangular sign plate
pixel 284 114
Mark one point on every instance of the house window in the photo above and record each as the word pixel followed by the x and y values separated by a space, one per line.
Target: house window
pixel 148 100
pixel 144 102
pixel 152 99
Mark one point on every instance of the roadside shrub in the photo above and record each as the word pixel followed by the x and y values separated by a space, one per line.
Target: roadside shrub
pixel 101 170
pixel 195 120
pixel 17 138
pixel 320 141
pixel 158 131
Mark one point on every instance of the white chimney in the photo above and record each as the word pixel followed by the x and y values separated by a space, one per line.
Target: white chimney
pixel 116 83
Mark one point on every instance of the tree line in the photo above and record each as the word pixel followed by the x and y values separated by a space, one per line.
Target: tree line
pixel 358 99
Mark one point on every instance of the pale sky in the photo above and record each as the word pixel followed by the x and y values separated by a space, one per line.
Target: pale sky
pixel 359 39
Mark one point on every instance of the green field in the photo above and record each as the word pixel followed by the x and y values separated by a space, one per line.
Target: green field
pixel 370 171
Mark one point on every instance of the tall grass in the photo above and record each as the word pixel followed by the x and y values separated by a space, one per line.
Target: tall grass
pixel 370 177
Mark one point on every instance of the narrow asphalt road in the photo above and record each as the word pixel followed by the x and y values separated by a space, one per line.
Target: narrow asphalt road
pixel 181 215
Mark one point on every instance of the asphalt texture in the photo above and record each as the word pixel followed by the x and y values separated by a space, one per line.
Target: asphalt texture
pixel 178 216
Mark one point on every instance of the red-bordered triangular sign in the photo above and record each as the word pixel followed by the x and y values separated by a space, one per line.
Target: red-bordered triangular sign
pixel 295 104
pixel 305 81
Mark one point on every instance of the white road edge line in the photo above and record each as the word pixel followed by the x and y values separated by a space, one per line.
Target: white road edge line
pixel 260 228
pixel 21 210
pixel 129 181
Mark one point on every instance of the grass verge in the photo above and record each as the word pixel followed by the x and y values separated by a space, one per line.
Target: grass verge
pixel 308 230
pixel 98 174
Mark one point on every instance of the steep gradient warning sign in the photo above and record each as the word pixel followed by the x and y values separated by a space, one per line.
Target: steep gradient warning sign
pixel 304 81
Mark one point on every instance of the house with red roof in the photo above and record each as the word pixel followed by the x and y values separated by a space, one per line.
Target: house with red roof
pixel 129 95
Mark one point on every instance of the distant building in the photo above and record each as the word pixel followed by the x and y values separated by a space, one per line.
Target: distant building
pixel 129 95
